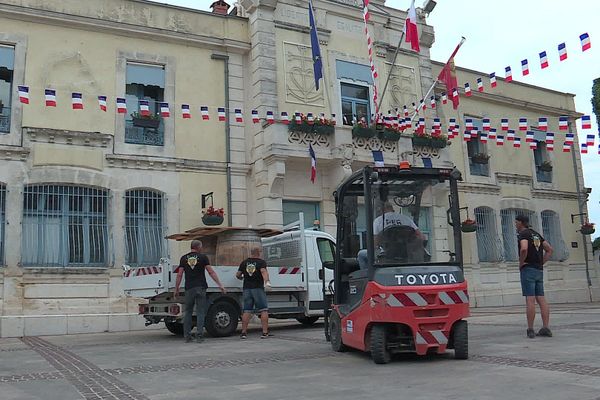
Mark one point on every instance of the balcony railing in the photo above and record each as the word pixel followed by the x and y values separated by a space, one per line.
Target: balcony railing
pixel 5 119
pixel 143 135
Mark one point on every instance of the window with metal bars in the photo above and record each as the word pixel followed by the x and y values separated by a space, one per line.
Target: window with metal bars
pixel 7 61
pixel 488 242
pixel 477 151
pixel 509 231
pixel 143 227
pixel 2 220
pixel 552 233
pixel 65 226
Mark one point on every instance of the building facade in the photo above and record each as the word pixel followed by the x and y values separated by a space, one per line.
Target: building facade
pixel 84 191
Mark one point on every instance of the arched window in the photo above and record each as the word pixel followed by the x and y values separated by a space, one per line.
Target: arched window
pixel 64 226
pixel 2 220
pixel 509 232
pixel 143 227
pixel 488 242
pixel 552 233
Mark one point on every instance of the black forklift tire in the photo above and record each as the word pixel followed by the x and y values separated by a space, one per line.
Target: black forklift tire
pixel 176 328
pixel 379 351
pixel 335 332
pixel 307 321
pixel 460 336
pixel 222 319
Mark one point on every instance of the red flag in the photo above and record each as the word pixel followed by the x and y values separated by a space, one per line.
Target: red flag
pixel 410 28
pixel 448 76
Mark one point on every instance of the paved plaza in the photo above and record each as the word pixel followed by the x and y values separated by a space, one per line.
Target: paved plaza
pixel 297 363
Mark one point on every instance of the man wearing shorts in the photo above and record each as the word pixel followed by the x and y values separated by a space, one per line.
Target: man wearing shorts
pixel 254 272
pixel 534 251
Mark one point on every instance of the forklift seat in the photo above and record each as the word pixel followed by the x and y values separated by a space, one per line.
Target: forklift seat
pixel 395 240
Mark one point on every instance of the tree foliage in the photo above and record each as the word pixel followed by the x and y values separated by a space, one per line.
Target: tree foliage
pixel 596 100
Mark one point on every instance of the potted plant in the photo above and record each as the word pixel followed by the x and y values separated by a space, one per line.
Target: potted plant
pixel 480 158
pixel 320 125
pixel 145 121
pixel 468 225
pixel 362 129
pixel 546 166
pixel 391 133
pixel 587 228
pixel 213 216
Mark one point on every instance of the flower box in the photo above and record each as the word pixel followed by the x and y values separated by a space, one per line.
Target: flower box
pixel 480 159
pixel 468 226
pixel 389 134
pixel 146 122
pixel 545 166
pixel 438 143
pixel 324 129
pixel 212 220
pixel 587 229
pixel 363 132
pixel 421 141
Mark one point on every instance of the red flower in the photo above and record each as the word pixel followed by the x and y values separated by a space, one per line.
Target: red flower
pixel 214 211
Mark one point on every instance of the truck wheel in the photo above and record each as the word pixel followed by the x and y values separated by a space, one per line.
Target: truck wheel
pixel 335 331
pixel 222 319
pixel 460 336
pixel 379 351
pixel 176 328
pixel 308 321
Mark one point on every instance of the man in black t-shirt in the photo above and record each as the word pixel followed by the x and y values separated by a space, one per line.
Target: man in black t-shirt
pixel 534 251
pixel 254 272
pixel 194 264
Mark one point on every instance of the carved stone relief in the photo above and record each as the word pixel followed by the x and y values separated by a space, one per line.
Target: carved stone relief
pixel 305 138
pixel 299 76
pixel 402 87
pixel 375 144
pixel 76 67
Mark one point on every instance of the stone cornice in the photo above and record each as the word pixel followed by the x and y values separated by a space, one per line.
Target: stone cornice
pixel 474 188
pixel 553 195
pixel 14 153
pixel 324 34
pixel 129 30
pixel 514 179
pixel 172 164
pixel 59 136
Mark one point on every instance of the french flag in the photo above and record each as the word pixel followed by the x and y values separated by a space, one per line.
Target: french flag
pixel 432 102
pixel 270 117
pixel 454 93
pixel 467 90
pixel 510 135
pixel 562 51
pixel 298 118
pixel 543 124
pixel 410 27
pixel 569 138
pixel 500 140
pixel 550 146
pixel 144 108
pixel 24 94
pixel 204 113
pixel 185 111
pixel 50 95
pixel 333 118
pixel 504 124
pixel 492 133
pixel 563 123
pixel 543 60
pixel 239 117
pixel 451 124
pixel 517 142
pixel 405 109
pixel 486 124
pixel 549 138
pixel 121 105
pixel 483 138
pixel 469 124
pixel 533 145
pixel 313 163
pixel 76 101
pixel 584 148
pixel 444 98
pixel 102 103
pixel 437 126
pixel 522 124
pixel 493 82
pixel 255 118
pixel 378 158
pixel 467 135
pixel 311 119
pixel 422 105
pixel 480 84
pixel 529 137
pixel 221 113
pixel 585 41
pixel 422 125
pixel 525 67
pixel 164 110
pixel 285 119
pixel 586 122
pixel 566 147
pixel 508 76
pixel 590 139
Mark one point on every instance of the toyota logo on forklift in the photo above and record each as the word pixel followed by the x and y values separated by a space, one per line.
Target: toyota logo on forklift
pixel 398 278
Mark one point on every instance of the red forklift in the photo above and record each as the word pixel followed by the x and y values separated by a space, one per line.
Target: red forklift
pixel 398 270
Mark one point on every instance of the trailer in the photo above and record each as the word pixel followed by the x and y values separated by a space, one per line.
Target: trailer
pixel 295 260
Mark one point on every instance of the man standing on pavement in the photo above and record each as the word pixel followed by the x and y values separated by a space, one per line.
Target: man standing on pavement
pixel 534 252
pixel 194 264
pixel 253 271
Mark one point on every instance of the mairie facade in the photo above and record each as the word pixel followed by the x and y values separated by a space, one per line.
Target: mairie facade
pixel 83 192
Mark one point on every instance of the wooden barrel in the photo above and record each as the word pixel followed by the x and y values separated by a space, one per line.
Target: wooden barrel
pixel 234 247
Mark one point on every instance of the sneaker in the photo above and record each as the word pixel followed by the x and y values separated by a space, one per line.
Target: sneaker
pixel 244 336
pixel 266 335
pixel 188 339
pixel 530 333
pixel 545 332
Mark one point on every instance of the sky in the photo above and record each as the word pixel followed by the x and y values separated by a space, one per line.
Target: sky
pixel 502 33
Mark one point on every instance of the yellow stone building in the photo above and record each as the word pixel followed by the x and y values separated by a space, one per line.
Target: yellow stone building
pixel 84 191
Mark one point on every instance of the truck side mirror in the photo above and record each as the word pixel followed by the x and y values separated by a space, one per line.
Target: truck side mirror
pixel 328 264
pixel 321 274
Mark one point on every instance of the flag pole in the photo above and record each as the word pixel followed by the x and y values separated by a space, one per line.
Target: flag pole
pixel 391 69
pixel 312 9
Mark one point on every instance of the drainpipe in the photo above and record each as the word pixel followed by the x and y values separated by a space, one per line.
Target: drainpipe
pixel 580 203
pixel 225 60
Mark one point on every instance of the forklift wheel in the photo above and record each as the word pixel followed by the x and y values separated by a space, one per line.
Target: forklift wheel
pixel 176 328
pixel 335 331
pixel 379 351
pixel 461 340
